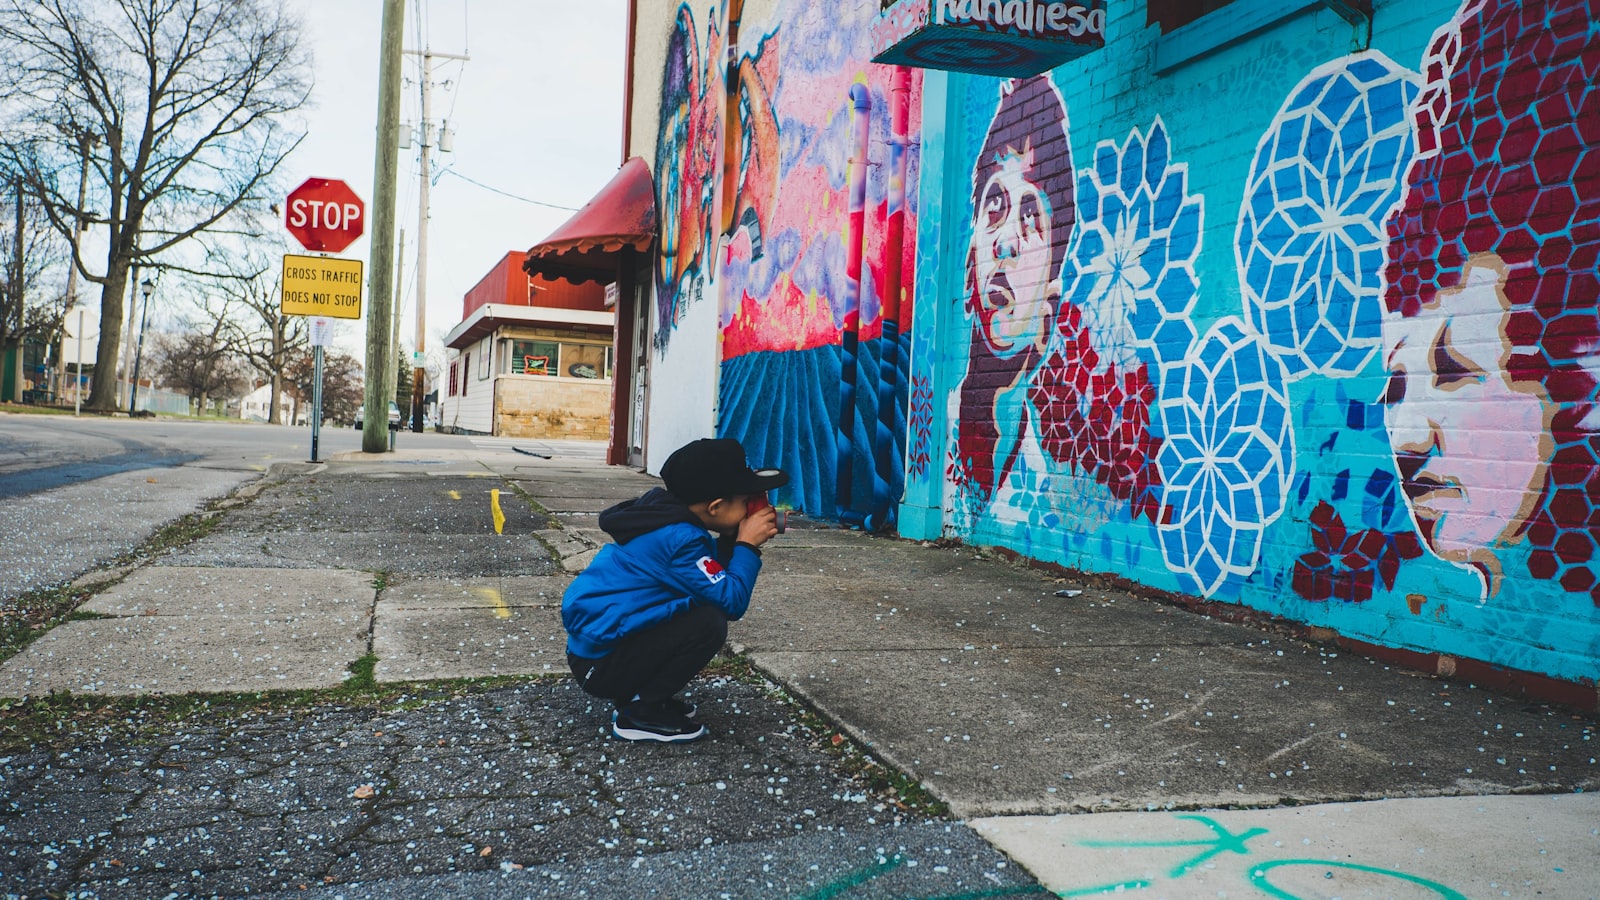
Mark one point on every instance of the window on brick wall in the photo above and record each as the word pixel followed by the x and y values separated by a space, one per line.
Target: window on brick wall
pixel 1172 14
pixel 569 359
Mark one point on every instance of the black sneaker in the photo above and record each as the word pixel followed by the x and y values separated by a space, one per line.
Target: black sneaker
pixel 658 721
pixel 682 707
pixel 685 708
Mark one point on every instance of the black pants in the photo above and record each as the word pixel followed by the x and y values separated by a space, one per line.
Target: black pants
pixel 655 664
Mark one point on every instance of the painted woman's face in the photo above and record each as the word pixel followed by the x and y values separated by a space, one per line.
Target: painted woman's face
pixel 1014 286
pixel 1470 443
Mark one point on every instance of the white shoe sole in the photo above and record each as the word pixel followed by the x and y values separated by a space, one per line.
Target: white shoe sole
pixel 639 734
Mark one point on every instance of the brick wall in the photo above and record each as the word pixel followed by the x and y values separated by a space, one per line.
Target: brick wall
pixel 552 408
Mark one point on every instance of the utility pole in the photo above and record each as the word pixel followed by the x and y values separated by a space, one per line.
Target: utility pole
pixel 391 375
pixel 147 288
pixel 385 167
pixel 85 141
pixel 127 342
pixel 21 311
pixel 77 380
pixel 419 372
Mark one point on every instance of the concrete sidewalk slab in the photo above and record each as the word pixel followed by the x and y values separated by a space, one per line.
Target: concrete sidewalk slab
pixel 177 630
pixel 426 644
pixel 469 628
pixel 559 491
pixel 474 593
pixel 1452 847
pixel 1010 731
pixel 879 609
pixel 247 595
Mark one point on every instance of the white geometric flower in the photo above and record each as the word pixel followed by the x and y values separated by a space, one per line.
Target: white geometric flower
pixel 1227 457
pixel 1311 236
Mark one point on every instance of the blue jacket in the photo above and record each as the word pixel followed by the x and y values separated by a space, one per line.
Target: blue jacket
pixel 663 562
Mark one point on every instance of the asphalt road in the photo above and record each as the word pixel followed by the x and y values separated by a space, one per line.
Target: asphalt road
pixel 77 492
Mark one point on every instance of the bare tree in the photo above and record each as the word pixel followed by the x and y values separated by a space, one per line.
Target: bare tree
pixel 341 382
pixel 197 364
pixel 258 332
pixel 177 105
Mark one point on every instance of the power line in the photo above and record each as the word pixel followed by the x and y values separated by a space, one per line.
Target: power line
pixel 507 193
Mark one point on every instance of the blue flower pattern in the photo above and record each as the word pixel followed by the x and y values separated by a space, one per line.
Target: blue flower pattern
pixel 1133 256
pixel 1310 243
pixel 1227 458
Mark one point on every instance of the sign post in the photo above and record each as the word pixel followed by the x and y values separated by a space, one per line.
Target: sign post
pixel 325 216
pixel 319 339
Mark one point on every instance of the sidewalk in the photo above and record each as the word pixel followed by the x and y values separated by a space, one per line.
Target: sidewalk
pixel 1212 754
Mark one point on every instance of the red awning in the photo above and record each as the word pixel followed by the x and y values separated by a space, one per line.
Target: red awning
pixel 585 248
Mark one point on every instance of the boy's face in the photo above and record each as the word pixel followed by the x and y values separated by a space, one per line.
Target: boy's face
pixel 724 515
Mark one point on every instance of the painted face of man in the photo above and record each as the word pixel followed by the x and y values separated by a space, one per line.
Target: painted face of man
pixel 1471 443
pixel 1013 283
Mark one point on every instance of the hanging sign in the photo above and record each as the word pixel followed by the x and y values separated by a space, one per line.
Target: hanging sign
pixel 1014 38
pixel 321 286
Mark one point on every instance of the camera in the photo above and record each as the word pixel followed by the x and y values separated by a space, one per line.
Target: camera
pixel 759 502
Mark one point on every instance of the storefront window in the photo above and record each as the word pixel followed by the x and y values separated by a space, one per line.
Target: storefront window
pixel 570 360
pixel 534 357
pixel 583 360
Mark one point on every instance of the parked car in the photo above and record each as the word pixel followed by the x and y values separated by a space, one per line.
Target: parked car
pixel 394 415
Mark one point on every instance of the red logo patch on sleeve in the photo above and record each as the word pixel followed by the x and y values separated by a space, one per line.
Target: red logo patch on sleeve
pixel 711 569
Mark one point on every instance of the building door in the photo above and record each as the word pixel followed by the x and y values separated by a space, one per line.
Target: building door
pixel 639 371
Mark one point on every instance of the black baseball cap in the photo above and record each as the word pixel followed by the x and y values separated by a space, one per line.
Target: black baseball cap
pixel 712 468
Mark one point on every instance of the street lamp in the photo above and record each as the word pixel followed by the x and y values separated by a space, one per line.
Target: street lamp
pixel 147 288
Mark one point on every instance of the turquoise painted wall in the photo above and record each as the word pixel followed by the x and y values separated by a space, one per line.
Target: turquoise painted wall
pixel 1309 327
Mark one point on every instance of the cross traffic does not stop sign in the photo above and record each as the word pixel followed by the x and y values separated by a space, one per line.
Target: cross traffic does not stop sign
pixel 324 215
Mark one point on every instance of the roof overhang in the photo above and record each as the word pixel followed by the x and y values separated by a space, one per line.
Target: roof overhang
pixel 588 246
pixel 491 317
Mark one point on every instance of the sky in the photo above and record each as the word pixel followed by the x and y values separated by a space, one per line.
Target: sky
pixel 536 114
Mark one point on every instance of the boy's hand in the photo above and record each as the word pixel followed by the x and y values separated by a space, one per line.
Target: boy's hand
pixel 759 527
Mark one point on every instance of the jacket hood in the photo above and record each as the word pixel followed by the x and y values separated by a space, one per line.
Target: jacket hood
pixel 657 508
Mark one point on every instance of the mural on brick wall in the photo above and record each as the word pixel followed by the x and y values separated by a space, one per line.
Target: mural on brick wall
pixel 686 155
pixel 1403 386
pixel 1490 336
pixel 759 133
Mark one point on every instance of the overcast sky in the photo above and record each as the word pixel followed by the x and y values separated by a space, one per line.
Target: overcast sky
pixel 536 113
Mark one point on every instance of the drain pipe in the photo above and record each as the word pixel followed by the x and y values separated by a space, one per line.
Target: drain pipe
pixel 844 472
pixel 889 363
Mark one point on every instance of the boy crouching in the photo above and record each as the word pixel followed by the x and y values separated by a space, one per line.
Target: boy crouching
pixel 651 610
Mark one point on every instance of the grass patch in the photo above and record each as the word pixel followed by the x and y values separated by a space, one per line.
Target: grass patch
pixel 179 533
pixel 35 612
pixel 30 410
pixel 361 675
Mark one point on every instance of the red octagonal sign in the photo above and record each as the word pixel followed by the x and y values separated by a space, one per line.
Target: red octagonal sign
pixel 324 215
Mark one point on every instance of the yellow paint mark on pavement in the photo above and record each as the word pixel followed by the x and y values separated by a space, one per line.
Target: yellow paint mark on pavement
pixel 501 610
pixel 455 495
pixel 499 516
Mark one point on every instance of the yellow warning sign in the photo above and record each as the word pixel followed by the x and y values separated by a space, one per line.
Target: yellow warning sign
pixel 321 286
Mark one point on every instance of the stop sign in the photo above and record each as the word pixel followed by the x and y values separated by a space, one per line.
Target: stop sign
pixel 324 215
